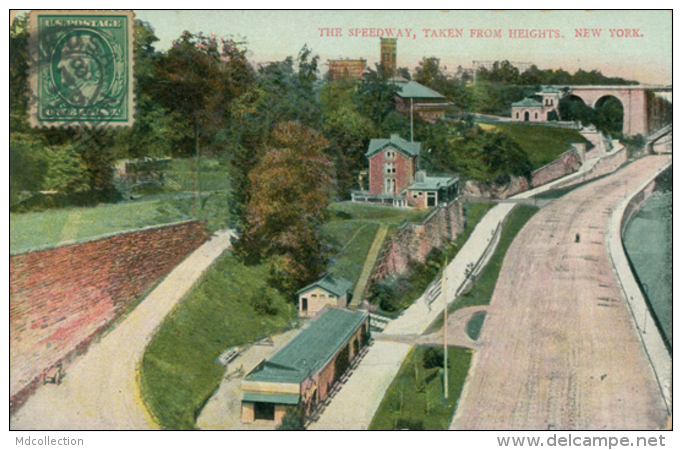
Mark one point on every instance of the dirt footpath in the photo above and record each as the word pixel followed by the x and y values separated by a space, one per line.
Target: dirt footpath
pixel 558 349
pixel 100 390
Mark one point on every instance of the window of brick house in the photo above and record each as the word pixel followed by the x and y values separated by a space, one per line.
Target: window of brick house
pixel 389 168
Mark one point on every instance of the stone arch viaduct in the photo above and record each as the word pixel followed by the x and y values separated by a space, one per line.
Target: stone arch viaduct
pixel 637 107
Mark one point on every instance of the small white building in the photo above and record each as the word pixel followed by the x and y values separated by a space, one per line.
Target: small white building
pixel 329 290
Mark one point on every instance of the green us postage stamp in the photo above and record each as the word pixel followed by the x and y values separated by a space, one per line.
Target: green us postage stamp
pixel 81 68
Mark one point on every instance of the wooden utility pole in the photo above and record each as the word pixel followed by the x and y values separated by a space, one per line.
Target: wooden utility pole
pixel 445 330
pixel 411 119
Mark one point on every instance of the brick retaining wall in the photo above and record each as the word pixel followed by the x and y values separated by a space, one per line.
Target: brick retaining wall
pixel 61 298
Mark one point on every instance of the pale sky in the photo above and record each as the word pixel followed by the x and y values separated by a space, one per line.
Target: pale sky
pixel 642 53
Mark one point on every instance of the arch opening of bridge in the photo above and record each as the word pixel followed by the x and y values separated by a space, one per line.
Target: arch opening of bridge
pixel 634 102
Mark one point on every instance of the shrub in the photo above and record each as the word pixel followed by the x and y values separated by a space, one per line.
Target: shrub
pixel 383 294
pixel 409 424
pixel 264 301
pixel 433 357
pixel 291 421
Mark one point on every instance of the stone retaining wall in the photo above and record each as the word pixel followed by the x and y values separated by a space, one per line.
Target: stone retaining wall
pixel 607 164
pixel 62 298
pixel 414 241
pixel 568 163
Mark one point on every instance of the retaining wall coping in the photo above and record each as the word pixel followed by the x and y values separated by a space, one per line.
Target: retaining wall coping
pixel 103 236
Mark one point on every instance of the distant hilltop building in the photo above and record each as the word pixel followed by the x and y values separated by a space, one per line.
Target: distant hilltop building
pixel 531 110
pixel 345 69
pixel 416 98
pixel 389 55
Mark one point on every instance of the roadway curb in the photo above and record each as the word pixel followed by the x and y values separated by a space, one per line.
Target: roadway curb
pixel 652 342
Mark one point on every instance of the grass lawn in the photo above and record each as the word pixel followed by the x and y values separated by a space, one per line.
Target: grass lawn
pixel 482 289
pixel 350 231
pixel 352 240
pixel 415 398
pixel 204 174
pixel 475 324
pixel 40 229
pixel 376 213
pixel 542 144
pixel 47 228
pixel 178 373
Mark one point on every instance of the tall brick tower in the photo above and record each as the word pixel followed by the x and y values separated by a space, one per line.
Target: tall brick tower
pixel 389 51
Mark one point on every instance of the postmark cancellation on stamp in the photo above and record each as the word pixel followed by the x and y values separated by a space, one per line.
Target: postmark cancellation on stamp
pixel 81 69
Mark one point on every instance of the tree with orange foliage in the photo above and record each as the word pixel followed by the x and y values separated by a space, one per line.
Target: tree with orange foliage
pixel 290 188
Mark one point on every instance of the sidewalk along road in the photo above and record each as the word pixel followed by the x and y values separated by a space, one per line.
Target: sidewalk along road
pixel 100 390
pixel 558 349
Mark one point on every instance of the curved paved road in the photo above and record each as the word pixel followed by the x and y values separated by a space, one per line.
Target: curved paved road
pixel 100 390
pixel 558 349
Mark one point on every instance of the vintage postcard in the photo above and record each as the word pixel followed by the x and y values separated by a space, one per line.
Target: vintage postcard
pixel 342 220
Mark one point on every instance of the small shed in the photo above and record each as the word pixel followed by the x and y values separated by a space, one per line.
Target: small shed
pixel 329 290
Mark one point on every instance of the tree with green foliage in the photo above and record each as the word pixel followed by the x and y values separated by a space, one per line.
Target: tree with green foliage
pixel 27 165
pixel 501 72
pixel 155 129
pixel 433 357
pixel 574 109
pixel 283 91
pixel 197 79
pixel 18 75
pixel 503 156
pixel 608 117
pixel 374 98
pixel 348 133
pixel 430 73
pixel 66 171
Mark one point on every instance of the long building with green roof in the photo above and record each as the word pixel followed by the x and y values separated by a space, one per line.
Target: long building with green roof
pixel 305 371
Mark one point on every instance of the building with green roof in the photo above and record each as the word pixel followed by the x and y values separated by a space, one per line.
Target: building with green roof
pixel 531 110
pixel 410 149
pixel 307 370
pixel 395 178
pixel 528 110
pixel 431 190
pixel 428 104
pixel 330 290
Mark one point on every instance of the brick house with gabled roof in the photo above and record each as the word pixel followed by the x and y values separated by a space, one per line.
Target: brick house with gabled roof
pixel 395 178
pixel 392 165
